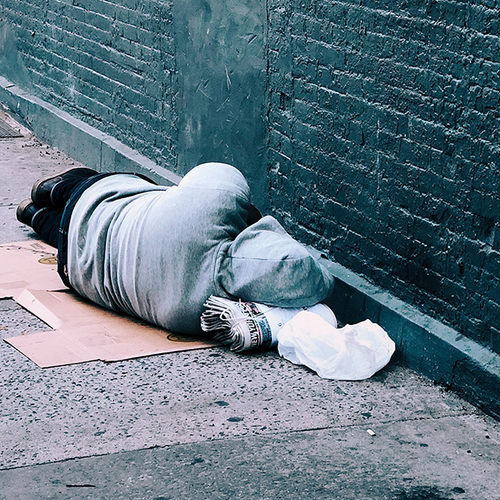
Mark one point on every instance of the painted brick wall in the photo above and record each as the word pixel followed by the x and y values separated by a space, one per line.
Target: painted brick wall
pixel 116 65
pixel 385 146
pixel 110 63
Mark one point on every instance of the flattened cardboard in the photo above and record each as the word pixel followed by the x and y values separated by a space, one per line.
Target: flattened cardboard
pixel 28 264
pixel 82 331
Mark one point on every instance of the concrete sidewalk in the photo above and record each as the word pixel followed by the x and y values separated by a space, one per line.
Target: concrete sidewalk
pixel 212 424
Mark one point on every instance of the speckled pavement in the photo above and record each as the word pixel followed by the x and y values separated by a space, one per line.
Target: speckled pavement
pixel 212 424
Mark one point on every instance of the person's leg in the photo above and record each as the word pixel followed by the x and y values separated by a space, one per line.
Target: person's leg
pixel 45 223
pixel 55 191
pixel 49 195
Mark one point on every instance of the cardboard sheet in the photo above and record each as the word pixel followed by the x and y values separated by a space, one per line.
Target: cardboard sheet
pixel 28 264
pixel 82 331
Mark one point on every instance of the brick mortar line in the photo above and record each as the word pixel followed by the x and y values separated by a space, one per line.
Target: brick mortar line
pixel 102 31
pixel 380 105
pixel 106 48
pixel 370 12
pixel 100 75
pixel 456 132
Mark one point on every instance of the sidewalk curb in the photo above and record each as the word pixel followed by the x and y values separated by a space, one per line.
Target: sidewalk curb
pixel 81 141
pixel 423 343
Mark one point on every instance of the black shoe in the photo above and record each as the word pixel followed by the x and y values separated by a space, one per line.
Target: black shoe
pixel 42 189
pixel 25 211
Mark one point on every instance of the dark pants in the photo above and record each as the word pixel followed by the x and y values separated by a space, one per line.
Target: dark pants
pixel 46 224
pixel 47 221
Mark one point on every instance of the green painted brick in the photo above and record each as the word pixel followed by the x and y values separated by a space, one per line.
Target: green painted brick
pixel 407 100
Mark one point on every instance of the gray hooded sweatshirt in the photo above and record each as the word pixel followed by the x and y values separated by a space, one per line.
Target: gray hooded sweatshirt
pixel 159 252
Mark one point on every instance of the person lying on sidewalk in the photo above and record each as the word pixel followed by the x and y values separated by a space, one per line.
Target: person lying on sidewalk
pixel 159 253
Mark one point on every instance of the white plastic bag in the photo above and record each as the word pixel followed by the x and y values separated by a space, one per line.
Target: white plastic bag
pixel 354 352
